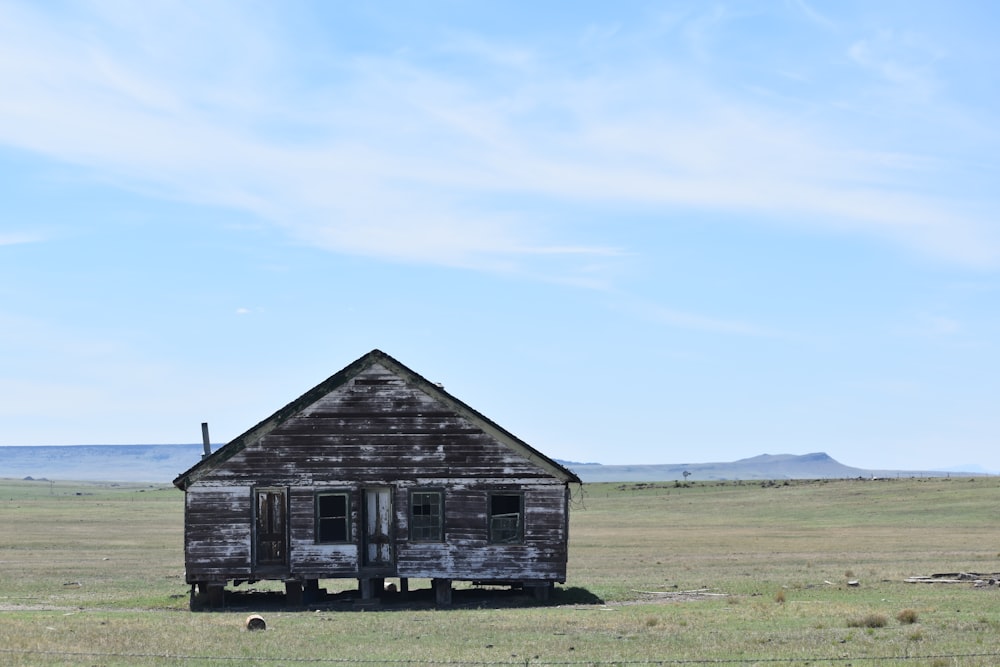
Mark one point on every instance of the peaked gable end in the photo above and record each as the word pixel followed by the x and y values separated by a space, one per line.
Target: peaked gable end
pixel 373 415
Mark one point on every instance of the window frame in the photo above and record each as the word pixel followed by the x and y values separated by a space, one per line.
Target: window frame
pixel 491 529
pixel 439 537
pixel 319 518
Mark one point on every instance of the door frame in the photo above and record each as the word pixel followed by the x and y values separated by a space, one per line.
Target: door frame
pixel 281 501
pixel 377 543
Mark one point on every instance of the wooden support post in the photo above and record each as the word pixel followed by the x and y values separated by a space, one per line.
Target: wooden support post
pixel 310 591
pixel 442 592
pixel 367 589
pixel 198 598
pixel 541 591
pixel 293 594
pixel 216 595
pixel 404 585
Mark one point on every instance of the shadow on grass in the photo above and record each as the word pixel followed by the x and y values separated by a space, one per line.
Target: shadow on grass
pixel 419 599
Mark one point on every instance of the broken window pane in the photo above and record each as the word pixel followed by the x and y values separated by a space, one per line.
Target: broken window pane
pixel 506 518
pixel 332 519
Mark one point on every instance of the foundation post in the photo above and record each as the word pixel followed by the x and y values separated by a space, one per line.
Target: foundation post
pixel 442 592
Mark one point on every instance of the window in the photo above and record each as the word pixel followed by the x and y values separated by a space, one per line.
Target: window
pixel 332 518
pixel 506 512
pixel 426 516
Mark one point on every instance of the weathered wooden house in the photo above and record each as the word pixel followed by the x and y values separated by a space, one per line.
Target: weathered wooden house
pixel 375 473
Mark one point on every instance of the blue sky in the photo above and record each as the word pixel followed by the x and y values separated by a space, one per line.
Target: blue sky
pixel 628 232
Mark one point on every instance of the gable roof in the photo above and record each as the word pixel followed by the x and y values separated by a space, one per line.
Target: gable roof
pixel 436 392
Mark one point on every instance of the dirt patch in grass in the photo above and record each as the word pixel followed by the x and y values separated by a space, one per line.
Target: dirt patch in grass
pixel 664 597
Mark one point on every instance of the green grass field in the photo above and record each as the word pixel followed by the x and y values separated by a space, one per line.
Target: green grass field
pixel 713 573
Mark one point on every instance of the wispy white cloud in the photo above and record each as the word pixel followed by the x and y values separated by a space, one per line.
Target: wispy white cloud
pixel 387 157
pixel 479 49
pixel 16 238
pixel 693 321
pixel 935 326
pixel 902 60
pixel 943 326
pixel 813 14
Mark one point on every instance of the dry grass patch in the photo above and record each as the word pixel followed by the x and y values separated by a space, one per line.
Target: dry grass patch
pixel 103 572
pixel 868 621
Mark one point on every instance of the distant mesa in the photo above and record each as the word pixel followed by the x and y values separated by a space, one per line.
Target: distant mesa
pixel 816 465
pixel 161 463
pixel 97 463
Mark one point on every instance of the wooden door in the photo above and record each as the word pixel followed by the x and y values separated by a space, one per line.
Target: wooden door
pixel 271 527
pixel 377 543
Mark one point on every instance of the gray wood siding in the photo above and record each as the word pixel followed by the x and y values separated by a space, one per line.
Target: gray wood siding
pixel 217 533
pixel 373 425
pixel 378 430
pixel 466 552
pixel 310 560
